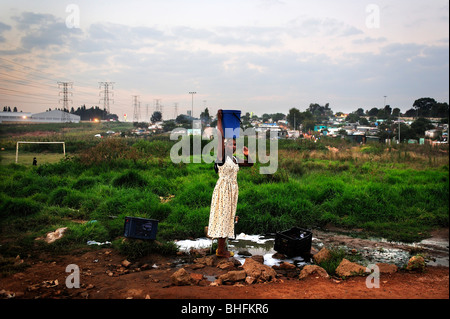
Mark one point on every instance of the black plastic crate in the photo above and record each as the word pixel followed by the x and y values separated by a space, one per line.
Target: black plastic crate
pixel 140 228
pixel 294 242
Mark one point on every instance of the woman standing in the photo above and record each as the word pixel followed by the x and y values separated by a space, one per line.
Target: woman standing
pixel 225 195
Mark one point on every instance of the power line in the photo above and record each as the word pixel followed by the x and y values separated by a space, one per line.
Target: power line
pixel 136 115
pixel 65 92
pixel 25 79
pixel 21 81
pixel 106 92
pixel 24 94
pixel 37 70
pixel 175 110
pixel 28 79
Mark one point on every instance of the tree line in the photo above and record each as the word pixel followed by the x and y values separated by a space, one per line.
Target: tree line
pixel 94 112
pixel 86 114
pixel 8 109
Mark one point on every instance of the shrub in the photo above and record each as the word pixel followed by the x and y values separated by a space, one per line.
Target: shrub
pixel 293 166
pixel 130 179
pixel 373 149
pixel 84 182
pixel 156 148
pixel 58 196
pixel 18 207
pixel 108 151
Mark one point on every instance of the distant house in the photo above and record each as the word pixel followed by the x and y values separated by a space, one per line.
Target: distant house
pixel 369 130
pixel 333 131
pixel 433 133
pixel 208 133
pixel 293 134
pixel 358 138
pixel 319 127
pixel 268 127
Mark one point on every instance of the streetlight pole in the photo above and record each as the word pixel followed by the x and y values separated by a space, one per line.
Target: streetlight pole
pixel 192 112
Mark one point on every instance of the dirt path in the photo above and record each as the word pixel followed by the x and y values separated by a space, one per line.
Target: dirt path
pixel 103 277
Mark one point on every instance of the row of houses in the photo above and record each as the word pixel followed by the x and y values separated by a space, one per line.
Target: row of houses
pixel 55 116
pixel 353 131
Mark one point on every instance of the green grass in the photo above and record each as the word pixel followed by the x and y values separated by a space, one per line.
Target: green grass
pixel 26 158
pixel 400 198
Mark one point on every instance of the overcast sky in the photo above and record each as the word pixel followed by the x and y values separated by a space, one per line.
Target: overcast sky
pixel 261 56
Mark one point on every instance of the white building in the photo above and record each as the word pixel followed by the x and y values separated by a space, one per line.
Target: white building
pixel 55 116
pixel 10 117
pixel 268 127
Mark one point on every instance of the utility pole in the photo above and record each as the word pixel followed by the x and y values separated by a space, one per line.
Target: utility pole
pixel 192 93
pixel 106 92
pixel 175 114
pixel 65 99
pixel 136 108
pixel 157 105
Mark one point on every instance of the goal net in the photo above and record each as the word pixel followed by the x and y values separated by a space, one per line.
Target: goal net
pixel 35 156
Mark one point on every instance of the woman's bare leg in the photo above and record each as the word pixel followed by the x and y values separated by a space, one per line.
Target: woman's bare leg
pixel 221 249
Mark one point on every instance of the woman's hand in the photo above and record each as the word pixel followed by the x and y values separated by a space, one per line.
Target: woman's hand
pixel 245 150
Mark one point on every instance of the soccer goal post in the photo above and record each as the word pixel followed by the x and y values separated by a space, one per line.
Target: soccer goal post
pixel 22 142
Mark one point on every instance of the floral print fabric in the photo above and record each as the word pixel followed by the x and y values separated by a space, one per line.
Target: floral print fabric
pixel 224 201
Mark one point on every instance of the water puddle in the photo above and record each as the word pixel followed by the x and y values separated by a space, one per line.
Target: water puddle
pixel 379 250
pixel 262 245
pixel 244 246
pixel 436 252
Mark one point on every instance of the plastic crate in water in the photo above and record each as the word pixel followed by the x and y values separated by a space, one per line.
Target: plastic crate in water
pixel 294 242
pixel 140 228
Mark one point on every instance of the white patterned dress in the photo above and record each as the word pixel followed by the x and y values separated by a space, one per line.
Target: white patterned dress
pixel 224 202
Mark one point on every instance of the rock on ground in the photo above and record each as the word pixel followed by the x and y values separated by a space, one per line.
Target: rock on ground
pixel 387 268
pixel 259 271
pixel 313 269
pixel 180 278
pixel 233 276
pixel 416 263
pixel 347 269
pixel 323 255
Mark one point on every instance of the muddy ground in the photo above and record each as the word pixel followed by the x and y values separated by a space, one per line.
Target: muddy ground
pixel 103 275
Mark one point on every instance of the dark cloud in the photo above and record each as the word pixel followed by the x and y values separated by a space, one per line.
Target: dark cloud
pixel 3 27
pixel 28 19
pixel 40 31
